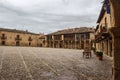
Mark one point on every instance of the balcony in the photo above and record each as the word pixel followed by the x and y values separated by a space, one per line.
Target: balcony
pixel 103 34
pixel 98 37
pixel 18 38
pixel 57 38
pixel 30 39
pixel 104 31
pixel 3 37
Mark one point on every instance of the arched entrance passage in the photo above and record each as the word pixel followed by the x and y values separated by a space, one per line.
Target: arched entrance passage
pixel 115 32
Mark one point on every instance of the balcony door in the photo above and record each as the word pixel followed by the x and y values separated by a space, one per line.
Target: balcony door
pixel 29 43
pixel 3 42
pixel 17 43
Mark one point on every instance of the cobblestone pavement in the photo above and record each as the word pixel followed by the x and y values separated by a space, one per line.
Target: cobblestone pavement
pixel 30 63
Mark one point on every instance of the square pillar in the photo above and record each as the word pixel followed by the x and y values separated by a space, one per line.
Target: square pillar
pixel 116 52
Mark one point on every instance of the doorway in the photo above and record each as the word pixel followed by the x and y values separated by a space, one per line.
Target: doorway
pixel 3 42
pixel 29 43
pixel 17 43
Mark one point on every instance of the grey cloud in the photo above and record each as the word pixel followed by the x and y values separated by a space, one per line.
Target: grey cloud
pixel 48 16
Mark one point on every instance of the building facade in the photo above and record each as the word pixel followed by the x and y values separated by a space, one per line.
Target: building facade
pixel 115 32
pixel 112 8
pixel 76 38
pixel 103 36
pixel 12 37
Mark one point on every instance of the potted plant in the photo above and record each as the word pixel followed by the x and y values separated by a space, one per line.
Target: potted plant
pixel 100 55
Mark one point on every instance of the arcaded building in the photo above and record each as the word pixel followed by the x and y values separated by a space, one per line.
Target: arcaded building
pixel 13 37
pixel 74 38
pixel 110 15
pixel 103 36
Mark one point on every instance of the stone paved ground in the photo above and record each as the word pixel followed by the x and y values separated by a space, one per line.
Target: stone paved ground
pixel 24 63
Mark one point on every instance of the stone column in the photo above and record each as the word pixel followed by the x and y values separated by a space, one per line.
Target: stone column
pixel 115 20
pixel 116 53
pixel 63 41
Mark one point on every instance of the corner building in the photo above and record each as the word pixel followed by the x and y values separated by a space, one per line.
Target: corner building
pixel 12 37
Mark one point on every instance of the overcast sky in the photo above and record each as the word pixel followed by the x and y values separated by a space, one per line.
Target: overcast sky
pixel 48 15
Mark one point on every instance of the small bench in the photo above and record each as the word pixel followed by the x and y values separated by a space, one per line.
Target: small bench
pixel 87 53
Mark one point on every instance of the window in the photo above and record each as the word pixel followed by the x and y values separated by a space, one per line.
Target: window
pixel 78 36
pixel 49 37
pixel 3 42
pixel 3 35
pixel 82 37
pixel 18 36
pixel 87 35
pixel 29 39
pixel 17 43
pixel 29 43
pixel 105 22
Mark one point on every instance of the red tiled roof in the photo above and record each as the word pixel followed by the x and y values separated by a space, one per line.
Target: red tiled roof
pixel 17 31
pixel 73 30
pixel 102 12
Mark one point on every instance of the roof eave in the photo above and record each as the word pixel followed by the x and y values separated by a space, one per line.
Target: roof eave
pixel 102 12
